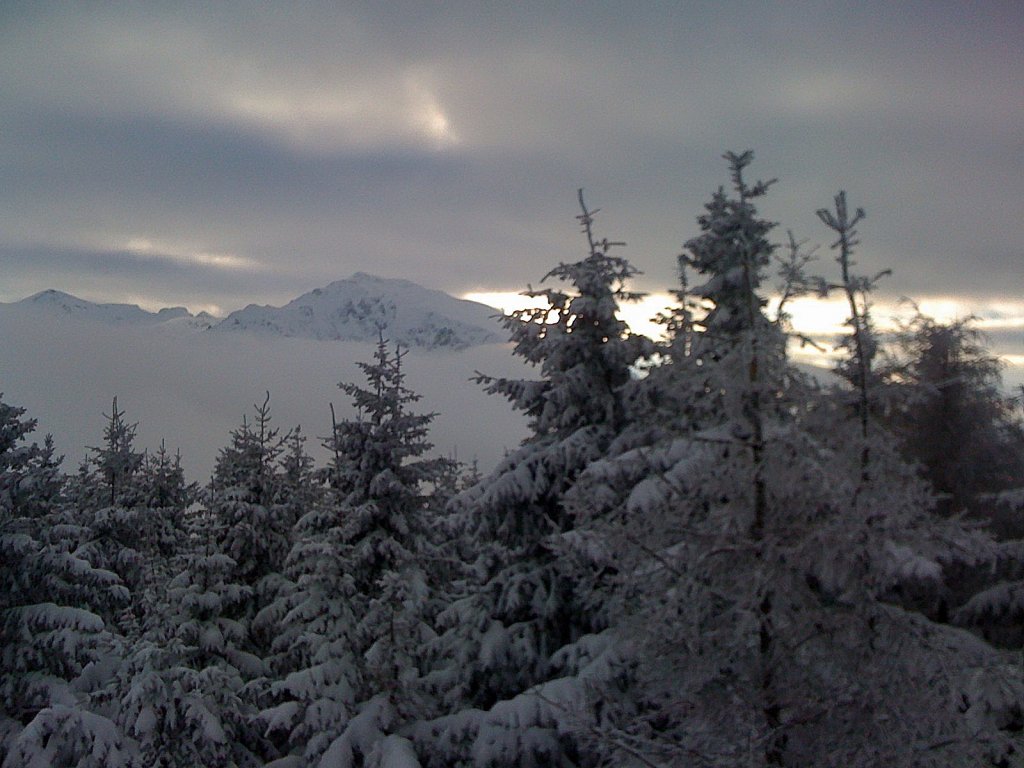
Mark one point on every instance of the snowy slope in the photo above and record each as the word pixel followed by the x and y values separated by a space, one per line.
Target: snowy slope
pixel 354 309
pixel 60 304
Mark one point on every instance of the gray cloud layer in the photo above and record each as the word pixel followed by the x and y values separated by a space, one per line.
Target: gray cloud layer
pixel 257 152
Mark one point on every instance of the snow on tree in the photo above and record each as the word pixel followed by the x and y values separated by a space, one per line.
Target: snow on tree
pixel 117 461
pixel 162 487
pixel 996 609
pixel 31 476
pixel 55 652
pixel 297 487
pixel 353 627
pixel 517 604
pixel 166 496
pixel 106 498
pixel 246 527
pixel 946 406
pixel 752 557
pixel 584 351
pixel 251 526
pixel 312 690
pixel 297 490
pixel 861 344
pixel 697 564
pixel 184 700
pixel 161 533
pixel 988 454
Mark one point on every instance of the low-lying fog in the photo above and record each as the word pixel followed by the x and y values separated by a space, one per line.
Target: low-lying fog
pixel 190 388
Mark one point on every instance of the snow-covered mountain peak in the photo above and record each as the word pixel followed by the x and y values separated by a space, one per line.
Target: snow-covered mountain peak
pixel 366 277
pixel 61 304
pixel 55 298
pixel 360 307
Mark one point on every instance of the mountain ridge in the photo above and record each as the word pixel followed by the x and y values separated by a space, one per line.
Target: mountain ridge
pixel 362 306
pixel 358 308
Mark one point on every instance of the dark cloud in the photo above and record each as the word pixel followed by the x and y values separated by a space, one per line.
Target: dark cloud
pixel 444 143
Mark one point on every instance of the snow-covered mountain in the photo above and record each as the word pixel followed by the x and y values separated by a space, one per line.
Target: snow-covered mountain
pixel 63 306
pixel 60 304
pixel 355 310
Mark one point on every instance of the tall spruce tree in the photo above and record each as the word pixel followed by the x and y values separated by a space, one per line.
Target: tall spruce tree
pixel 243 500
pixel 354 625
pixel 105 501
pixel 117 462
pixel 183 695
pixel 517 605
pixel 952 416
pixel 167 495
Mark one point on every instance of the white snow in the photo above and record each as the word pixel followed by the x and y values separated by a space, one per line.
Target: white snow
pixel 354 310
pixel 59 304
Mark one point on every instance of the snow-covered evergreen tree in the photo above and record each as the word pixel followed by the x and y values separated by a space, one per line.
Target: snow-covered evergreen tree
pixel 107 499
pixel 952 417
pixel 311 688
pixel 518 604
pixel 55 652
pixel 184 700
pixel 297 490
pixel 117 461
pixel 753 554
pixel 995 606
pixel 297 486
pixel 166 495
pixel 861 343
pixel 703 563
pixel 251 526
pixel 246 527
pixel 353 628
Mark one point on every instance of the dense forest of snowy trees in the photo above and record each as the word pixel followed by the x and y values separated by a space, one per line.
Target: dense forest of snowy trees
pixel 700 557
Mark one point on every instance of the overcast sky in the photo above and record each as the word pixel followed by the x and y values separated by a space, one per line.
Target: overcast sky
pixel 213 154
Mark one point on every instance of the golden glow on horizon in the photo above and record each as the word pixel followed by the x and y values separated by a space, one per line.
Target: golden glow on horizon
pixel 821 319
pixel 637 314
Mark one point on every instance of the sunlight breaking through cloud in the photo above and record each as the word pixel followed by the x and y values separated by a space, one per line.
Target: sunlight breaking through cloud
pixel 372 114
pixel 150 249
pixel 821 320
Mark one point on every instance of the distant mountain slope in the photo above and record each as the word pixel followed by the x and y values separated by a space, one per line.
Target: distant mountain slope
pixel 354 309
pixel 60 304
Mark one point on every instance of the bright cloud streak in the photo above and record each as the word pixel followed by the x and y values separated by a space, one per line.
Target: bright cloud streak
pixel 151 249
pixel 401 109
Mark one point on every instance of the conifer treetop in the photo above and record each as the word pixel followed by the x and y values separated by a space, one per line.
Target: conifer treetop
pixel 584 350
